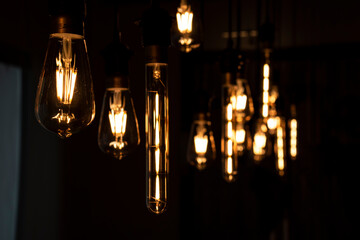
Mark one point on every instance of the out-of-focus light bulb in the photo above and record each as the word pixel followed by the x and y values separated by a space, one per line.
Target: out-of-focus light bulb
pixel 185 22
pixel 280 147
pixel 64 99
pixel 293 125
pixel 260 140
pixel 201 146
pixel 228 139
pixel 118 129
pixel 266 84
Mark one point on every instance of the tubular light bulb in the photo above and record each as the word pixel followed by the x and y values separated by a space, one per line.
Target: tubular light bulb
pixel 260 141
pixel 64 99
pixel 118 132
pixel 293 125
pixel 266 83
pixel 201 146
pixel 229 155
pixel 157 127
pixel 280 147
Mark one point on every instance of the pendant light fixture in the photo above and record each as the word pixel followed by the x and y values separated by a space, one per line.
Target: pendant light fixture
pixel 156 24
pixel 118 133
pixel 65 99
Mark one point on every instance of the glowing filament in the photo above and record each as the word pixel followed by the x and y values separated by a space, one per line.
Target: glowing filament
pixel 200 144
pixel 157 133
pixel 280 150
pixel 241 102
pixel 229 147
pixel 65 73
pixel 266 83
pixel 184 19
pixel 157 188
pixel 229 166
pixel 293 138
pixel 117 118
pixel 240 135
pixel 65 80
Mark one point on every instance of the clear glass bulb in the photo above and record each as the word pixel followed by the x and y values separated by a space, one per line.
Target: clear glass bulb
pixel 201 145
pixel 157 136
pixel 118 130
pixel 65 99
pixel 228 131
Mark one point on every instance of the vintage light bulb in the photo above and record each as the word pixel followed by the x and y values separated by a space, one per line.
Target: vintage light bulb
pixel 118 129
pixel 280 148
pixel 201 145
pixel 260 140
pixel 266 83
pixel 156 24
pixel 64 99
pixel 273 120
pixel 185 24
pixel 293 125
pixel 228 138
pixel 157 135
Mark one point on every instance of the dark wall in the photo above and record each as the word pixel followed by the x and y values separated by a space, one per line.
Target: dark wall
pixel 71 190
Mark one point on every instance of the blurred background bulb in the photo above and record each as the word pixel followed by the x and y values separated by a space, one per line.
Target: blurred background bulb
pixel 118 129
pixel 293 126
pixel 201 145
pixel 185 23
pixel 64 99
pixel 280 148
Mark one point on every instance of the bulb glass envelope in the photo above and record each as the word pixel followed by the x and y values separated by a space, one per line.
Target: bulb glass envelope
pixel 65 100
pixel 118 130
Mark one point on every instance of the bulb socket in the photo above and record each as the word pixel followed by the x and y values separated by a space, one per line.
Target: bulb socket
pixel 156 54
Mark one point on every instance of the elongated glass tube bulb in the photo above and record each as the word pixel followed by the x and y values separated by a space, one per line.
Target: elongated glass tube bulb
pixel 228 155
pixel 64 99
pixel 280 147
pixel 118 132
pixel 157 135
pixel 201 146
pixel 293 126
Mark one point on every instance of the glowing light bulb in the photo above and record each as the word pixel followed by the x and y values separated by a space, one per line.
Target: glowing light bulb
pixel 185 23
pixel 293 125
pixel 156 120
pixel 118 132
pixel 201 146
pixel 266 83
pixel 228 153
pixel 280 147
pixel 64 98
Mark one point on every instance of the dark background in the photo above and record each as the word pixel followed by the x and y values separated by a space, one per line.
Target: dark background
pixel 70 190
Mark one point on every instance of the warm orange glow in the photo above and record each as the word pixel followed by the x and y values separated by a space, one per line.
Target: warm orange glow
pixel 229 166
pixel 184 20
pixel 229 110
pixel 157 134
pixel 266 70
pixel 201 143
pixel 241 102
pixel 157 188
pixel 117 118
pixel 280 138
pixel 266 84
pixel 293 138
pixel 240 135
pixel 65 80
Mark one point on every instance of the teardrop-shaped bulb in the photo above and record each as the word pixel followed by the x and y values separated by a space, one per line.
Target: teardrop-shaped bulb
pixel 201 145
pixel 65 99
pixel 118 132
